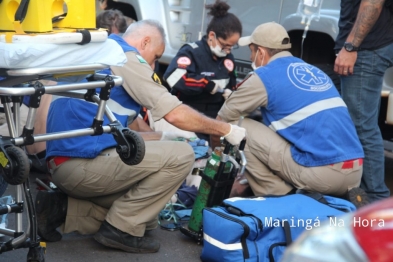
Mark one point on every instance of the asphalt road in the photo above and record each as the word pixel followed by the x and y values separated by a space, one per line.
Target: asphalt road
pixel 175 247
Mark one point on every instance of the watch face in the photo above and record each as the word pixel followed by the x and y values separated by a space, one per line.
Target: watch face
pixel 348 47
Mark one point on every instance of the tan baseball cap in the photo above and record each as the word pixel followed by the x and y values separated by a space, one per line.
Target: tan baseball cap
pixel 270 35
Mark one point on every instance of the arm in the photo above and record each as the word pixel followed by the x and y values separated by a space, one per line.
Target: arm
pixel 186 118
pixel 149 134
pixel 368 14
pixel 144 130
pixel 250 95
pixel 139 125
pixel 182 116
pixel 232 85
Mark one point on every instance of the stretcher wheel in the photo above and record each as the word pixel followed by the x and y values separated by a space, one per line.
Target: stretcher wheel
pixel 137 150
pixel 20 166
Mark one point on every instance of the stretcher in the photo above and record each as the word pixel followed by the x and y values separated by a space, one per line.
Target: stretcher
pixel 21 68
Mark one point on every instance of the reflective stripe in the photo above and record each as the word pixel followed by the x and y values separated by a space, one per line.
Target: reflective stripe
pixel 221 245
pixel 193 45
pixel 305 112
pixel 175 76
pixel 119 109
pixel 222 82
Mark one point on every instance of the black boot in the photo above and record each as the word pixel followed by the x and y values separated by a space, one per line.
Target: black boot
pixel 112 237
pixel 51 209
pixel 38 162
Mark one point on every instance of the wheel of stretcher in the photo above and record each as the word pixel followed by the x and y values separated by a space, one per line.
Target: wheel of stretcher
pixel 21 166
pixel 137 150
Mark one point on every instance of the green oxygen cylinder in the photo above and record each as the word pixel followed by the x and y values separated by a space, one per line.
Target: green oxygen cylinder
pixel 211 168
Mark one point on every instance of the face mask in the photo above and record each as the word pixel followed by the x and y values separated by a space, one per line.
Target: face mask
pixel 253 65
pixel 217 50
pixel 253 62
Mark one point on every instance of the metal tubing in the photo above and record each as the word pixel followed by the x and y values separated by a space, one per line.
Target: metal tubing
pixel 6 231
pixel 55 70
pixel 16 118
pixel 43 184
pixel 60 135
pixel 101 110
pixel 19 224
pixel 10 120
pixel 31 118
pixel 18 216
pixel 20 91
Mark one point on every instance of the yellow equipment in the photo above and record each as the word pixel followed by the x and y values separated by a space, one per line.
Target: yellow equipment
pixel 76 14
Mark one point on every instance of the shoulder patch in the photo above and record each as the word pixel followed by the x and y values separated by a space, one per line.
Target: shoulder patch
pixel 228 63
pixel 156 78
pixel 141 59
pixel 183 61
pixel 193 45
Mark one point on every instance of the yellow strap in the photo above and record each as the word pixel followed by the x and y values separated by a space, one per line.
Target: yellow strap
pixel 8 37
pixel 18 28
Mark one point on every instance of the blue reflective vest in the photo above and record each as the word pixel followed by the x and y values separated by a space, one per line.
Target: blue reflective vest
pixel 66 114
pixel 305 108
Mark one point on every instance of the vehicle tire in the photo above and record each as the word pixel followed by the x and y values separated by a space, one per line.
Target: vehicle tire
pixel 137 150
pixel 329 70
pixel 21 166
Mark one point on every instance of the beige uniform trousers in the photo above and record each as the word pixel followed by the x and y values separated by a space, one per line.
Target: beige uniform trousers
pixel 127 197
pixel 272 171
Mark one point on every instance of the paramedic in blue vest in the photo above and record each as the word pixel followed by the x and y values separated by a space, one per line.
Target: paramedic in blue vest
pixel 307 139
pixel 117 202
pixel 202 74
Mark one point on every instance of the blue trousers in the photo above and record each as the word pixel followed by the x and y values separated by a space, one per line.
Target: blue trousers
pixel 362 94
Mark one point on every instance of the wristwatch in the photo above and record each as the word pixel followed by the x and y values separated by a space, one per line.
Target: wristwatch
pixel 350 47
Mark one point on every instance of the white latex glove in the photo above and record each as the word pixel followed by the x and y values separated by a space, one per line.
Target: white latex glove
pixel 235 135
pixel 227 93
pixel 217 89
pixel 176 134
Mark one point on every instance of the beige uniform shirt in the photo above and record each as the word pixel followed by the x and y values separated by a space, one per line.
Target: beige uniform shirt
pixel 250 95
pixel 144 86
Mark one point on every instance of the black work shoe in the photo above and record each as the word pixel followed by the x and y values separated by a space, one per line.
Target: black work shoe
pixel 357 196
pixel 51 209
pixel 38 162
pixel 112 237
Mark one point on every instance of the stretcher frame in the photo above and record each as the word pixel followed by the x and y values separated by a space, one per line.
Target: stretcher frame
pixel 130 145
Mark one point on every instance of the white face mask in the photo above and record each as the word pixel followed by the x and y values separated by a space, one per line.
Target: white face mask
pixel 253 65
pixel 217 50
pixel 253 62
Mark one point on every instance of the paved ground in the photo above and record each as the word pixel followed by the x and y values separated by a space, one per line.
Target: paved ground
pixel 174 246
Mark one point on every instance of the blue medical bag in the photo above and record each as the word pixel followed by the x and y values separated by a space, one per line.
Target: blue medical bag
pixel 260 228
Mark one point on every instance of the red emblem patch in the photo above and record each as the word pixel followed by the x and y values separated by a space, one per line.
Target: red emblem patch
pixel 229 65
pixel 183 61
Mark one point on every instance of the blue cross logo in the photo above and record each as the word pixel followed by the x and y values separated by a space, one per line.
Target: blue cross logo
pixel 308 77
